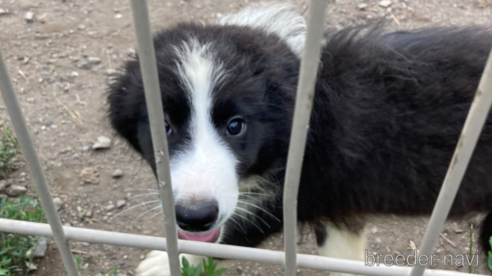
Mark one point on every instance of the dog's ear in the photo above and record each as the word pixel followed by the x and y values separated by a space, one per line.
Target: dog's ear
pixel 126 100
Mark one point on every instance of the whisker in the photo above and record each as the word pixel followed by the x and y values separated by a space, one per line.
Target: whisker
pixel 262 209
pixel 252 197
pixel 141 195
pixel 251 193
pixel 156 214
pixel 251 213
pixel 252 223
pixel 238 224
pixel 146 212
pixel 141 189
pixel 133 207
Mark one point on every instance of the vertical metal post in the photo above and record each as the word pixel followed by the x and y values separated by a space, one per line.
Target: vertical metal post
pixel 304 101
pixel 148 66
pixel 42 188
pixel 469 137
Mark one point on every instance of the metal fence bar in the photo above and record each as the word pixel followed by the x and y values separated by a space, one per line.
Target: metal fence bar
pixel 474 123
pixel 148 66
pixel 300 126
pixel 214 250
pixel 42 188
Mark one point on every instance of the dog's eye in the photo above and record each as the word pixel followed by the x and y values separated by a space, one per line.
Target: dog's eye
pixel 169 130
pixel 235 127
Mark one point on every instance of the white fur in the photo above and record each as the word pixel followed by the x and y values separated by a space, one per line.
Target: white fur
pixel 156 263
pixel 273 18
pixel 206 170
pixel 342 244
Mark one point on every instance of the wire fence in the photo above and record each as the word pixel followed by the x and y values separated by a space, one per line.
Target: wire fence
pixel 290 259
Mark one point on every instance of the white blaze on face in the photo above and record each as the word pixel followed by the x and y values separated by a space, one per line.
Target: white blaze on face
pixel 206 168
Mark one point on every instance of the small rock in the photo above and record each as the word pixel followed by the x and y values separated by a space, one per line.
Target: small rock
pixel 385 3
pixel 132 53
pixel 110 81
pixel 456 228
pixel 120 203
pixel 49 122
pixel 3 186
pixel 110 207
pixel 16 190
pixel 74 74
pixel 362 6
pixel 58 203
pixel 25 60
pixel 89 212
pixel 86 148
pixel 29 17
pixel 85 65
pixel 41 36
pixel 90 175
pixel 117 173
pixel 3 12
pixel 118 16
pixel 103 142
pixel 40 251
pixel 66 87
pixel 81 213
pixel 93 60
pixel 112 73
pixel 81 27
pixel 374 230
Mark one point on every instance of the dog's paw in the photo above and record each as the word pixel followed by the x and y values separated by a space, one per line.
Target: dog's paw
pixel 157 263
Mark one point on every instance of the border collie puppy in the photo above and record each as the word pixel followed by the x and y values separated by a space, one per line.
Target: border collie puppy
pixel 387 115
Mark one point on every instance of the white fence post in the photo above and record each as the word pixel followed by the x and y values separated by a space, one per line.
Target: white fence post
pixel 148 67
pixel 300 126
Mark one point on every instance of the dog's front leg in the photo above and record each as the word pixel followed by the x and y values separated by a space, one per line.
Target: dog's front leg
pixel 156 263
pixel 340 242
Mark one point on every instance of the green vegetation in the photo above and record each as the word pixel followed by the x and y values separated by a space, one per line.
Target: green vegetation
pixel 9 149
pixel 79 263
pixel 205 268
pixel 112 272
pixel 490 255
pixel 470 252
pixel 16 251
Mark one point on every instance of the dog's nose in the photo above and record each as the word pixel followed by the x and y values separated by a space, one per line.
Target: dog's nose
pixel 199 217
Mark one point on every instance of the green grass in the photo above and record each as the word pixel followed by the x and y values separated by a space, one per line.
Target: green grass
pixel 470 251
pixel 489 262
pixel 112 272
pixel 16 250
pixel 9 149
pixel 79 262
pixel 206 268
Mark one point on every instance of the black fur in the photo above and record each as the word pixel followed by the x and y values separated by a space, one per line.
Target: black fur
pixel 387 114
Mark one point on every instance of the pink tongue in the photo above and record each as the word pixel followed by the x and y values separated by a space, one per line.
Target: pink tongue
pixel 202 237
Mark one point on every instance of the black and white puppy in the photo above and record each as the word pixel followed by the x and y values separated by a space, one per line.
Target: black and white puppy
pixel 387 114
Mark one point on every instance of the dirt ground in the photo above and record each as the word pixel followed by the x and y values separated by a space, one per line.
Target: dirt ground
pixel 62 93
